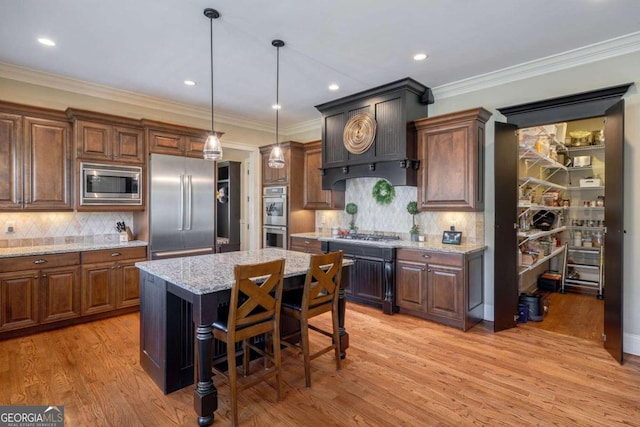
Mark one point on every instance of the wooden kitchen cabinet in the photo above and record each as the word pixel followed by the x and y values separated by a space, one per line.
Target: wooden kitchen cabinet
pixel 451 150
pixel 18 299
pixel 314 196
pixel 38 289
pixel 110 279
pixel 35 159
pixel 10 161
pixel 306 244
pixel 60 293
pixel 274 176
pixel 444 287
pixel 103 137
pixel 164 138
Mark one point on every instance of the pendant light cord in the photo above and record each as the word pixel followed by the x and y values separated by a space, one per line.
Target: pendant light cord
pixel 277 92
pixel 211 58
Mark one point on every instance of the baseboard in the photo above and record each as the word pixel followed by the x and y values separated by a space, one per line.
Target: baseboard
pixel 631 344
pixel 488 312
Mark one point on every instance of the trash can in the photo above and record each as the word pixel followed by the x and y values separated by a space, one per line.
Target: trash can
pixel 523 313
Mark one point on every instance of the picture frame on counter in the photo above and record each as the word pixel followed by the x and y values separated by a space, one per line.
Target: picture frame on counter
pixel 451 237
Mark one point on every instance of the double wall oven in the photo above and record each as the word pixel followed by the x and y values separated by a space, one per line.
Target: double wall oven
pixel 274 217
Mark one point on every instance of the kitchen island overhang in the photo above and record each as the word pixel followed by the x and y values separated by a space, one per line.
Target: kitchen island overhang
pixel 179 301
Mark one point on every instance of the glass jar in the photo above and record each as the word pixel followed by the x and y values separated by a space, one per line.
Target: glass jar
pixel 596 239
pixel 577 238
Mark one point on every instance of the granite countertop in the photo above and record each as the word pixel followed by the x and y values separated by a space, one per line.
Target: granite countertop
pixel 210 273
pixel 405 244
pixel 69 247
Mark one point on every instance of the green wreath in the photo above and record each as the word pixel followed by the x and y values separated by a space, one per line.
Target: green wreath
pixel 383 192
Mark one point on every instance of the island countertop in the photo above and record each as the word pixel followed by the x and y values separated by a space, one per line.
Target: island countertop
pixel 210 273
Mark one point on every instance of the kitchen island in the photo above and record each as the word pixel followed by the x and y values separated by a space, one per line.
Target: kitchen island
pixel 180 300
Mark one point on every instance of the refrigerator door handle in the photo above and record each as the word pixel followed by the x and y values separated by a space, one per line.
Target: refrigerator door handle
pixel 181 219
pixel 189 203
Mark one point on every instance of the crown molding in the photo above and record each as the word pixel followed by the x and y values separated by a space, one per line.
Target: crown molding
pixel 55 81
pixel 303 127
pixel 618 46
pixel 585 55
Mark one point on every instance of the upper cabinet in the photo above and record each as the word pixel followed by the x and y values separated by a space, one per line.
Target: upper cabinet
pixel 314 196
pixel 175 140
pixel 452 155
pixel 35 159
pixel 275 176
pixel 293 153
pixel 107 138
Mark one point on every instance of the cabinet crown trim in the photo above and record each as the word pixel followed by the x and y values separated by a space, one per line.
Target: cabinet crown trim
pixel 478 113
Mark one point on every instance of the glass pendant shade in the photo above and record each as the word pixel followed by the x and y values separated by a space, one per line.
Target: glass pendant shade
pixel 212 147
pixel 276 158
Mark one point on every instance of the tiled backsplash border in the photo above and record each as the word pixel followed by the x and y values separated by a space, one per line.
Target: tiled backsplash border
pixel 394 218
pixel 58 228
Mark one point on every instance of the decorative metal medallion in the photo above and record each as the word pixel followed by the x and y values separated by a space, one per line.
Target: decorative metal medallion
pixel 359 133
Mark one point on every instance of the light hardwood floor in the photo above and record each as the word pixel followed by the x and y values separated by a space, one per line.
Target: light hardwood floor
pixel 399 371
pixel 574 314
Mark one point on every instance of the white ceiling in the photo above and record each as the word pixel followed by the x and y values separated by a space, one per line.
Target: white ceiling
pixel 150 46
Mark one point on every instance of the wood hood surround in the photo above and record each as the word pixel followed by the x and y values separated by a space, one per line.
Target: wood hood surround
pixel 393 154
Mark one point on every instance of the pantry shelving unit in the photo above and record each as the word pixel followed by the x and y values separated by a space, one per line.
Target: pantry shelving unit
pixel 589 264
pixel 585 263
pixel 538 174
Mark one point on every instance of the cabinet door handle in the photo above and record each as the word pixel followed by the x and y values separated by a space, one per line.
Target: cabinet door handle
pixel 429 270
pixel 115 254
pixel 426 256
pixel 40 261
pixel 44 275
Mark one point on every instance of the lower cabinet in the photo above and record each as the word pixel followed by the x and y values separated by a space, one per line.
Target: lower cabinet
pixel 19 298
pixel 38 289
pixel 110 279
pixel 46 291
pixel 441 286
pixel 60 293
pixel 305 244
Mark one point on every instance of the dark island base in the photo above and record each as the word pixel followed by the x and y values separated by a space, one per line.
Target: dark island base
pixel 168 335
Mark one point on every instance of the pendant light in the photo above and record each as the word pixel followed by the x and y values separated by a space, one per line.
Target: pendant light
pixel 276 157
pixel 212 148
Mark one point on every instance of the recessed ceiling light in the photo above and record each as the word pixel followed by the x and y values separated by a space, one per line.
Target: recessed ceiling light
pixel 420 56
pixel 333 86
pixel 276 106
pixel 189 83
pixel 46 41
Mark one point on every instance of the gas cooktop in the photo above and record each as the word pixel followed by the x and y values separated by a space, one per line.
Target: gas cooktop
pixel 370 237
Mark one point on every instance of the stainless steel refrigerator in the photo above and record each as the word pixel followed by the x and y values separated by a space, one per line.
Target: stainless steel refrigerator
pixel 182 206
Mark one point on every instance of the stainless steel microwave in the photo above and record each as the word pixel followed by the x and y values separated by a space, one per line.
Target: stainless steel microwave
pixel 110 184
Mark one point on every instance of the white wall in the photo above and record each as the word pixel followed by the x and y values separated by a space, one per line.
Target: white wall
pixel 605 73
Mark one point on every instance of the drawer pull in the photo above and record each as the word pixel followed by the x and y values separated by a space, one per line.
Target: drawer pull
pixel 40 261
pixel 306 242
pixel 116 253
pixel 426 256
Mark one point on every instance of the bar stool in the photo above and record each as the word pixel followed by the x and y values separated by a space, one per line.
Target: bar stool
pixel 319 295
pixel 254 310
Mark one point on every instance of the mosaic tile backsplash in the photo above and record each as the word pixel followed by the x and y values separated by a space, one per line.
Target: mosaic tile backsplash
pixel 54 228
pixel 394 218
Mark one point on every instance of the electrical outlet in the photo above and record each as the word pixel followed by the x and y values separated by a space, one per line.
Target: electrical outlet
pixel 10 227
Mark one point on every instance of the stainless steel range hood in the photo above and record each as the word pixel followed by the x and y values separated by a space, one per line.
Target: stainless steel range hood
pixel 391 110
